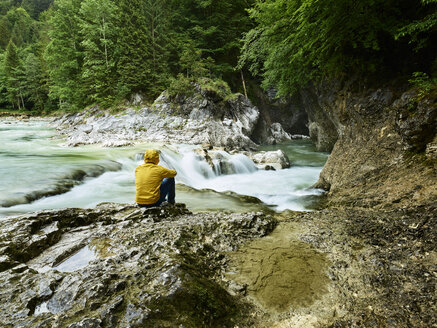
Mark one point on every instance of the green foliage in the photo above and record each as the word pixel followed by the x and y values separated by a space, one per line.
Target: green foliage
pixel 295 42
pixel 13 72
pixel 35 7
pixel 181 85
pixel 214 27
pixel 64 55
pixel 423 84
pixel 68 54
pixel 4 102
pixel 192 63
pixel 18 26
pixel 35 82
pixel 184 86
pixel 99 32
pixel 418 31
pixel 218 86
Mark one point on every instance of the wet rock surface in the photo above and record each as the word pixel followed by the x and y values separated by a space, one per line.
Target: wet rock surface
pixel 157 267
pixel 122 266
pixel 280 118
pixel 222 162
pixel 381 265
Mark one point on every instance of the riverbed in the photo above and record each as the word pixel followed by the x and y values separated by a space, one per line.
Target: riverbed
pixel 38 172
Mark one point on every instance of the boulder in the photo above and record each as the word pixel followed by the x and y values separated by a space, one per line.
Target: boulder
pixel 268 160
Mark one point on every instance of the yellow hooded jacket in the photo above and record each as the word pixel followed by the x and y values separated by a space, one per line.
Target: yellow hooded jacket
pixel 148 178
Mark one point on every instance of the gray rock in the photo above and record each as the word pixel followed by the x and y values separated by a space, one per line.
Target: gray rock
pixel 87 323
pixel 157 266
pixel 416 122
pixel 185 120
pixel 385 138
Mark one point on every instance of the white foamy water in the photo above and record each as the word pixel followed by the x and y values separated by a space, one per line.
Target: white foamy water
pixel 32 159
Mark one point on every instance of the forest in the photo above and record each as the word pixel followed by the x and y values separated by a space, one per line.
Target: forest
pixel 69 54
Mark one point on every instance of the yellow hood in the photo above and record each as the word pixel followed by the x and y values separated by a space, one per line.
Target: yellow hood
pixel 151 156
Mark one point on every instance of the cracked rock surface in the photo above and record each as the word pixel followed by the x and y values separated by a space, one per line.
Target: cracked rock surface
pixel 122 266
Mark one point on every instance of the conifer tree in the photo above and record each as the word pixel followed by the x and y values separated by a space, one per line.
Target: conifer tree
pixel 99 33
pixel 158 30
pixel 14 76
pixel 4 100
pixel 135 64
pixel 35 83
pixel 64 54
pixel 22 27
pixel 5 32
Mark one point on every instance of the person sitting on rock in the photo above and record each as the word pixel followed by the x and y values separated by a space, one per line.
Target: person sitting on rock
pixel 154 183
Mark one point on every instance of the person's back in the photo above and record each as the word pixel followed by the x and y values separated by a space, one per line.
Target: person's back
pixel 151 184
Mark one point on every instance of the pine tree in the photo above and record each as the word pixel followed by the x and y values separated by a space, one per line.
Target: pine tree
pixel 135 66
pixel 5 32
pixel 64 55
pixel 99 33
pixel 35 83
pixel 4 99
pixel 14 76
pixel 157 20
pixel 22 27
pixel 215 27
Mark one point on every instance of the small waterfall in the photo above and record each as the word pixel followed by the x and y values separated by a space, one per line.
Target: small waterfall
pixel 193 168
pixel 91 174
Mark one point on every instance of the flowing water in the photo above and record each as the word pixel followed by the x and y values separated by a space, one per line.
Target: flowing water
pixel 37 172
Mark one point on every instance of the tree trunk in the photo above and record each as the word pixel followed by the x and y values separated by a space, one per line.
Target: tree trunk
pixel 104 42
pixel 244 83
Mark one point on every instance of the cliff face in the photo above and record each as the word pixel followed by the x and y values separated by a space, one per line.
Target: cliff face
pixel 385 152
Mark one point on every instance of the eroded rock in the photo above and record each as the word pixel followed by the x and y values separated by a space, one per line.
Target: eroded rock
pixel 203 117
pixel 157 266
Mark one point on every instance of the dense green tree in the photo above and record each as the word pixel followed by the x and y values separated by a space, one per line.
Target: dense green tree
pixel 214 27
pixel 35 81
pixel 35 7
pixel 302 40
pixel 418 31
pixel 17 25
pixel 64 54
pixel 192 63
pixel 159 32
pixel 4 100
pixel 13 73
pixel 99 33
pixel 96 51
pixel 135 58
pixel 5 5
pixel 23 27
pixel 5 32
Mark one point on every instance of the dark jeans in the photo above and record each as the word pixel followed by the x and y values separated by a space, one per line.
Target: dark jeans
pixel 167 190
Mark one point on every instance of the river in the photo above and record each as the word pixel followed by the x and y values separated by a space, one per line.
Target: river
pixel 37 172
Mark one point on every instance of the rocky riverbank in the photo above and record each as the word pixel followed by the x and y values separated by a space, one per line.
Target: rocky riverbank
pixel 203 118
pixel 119 266
pixel 133 267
